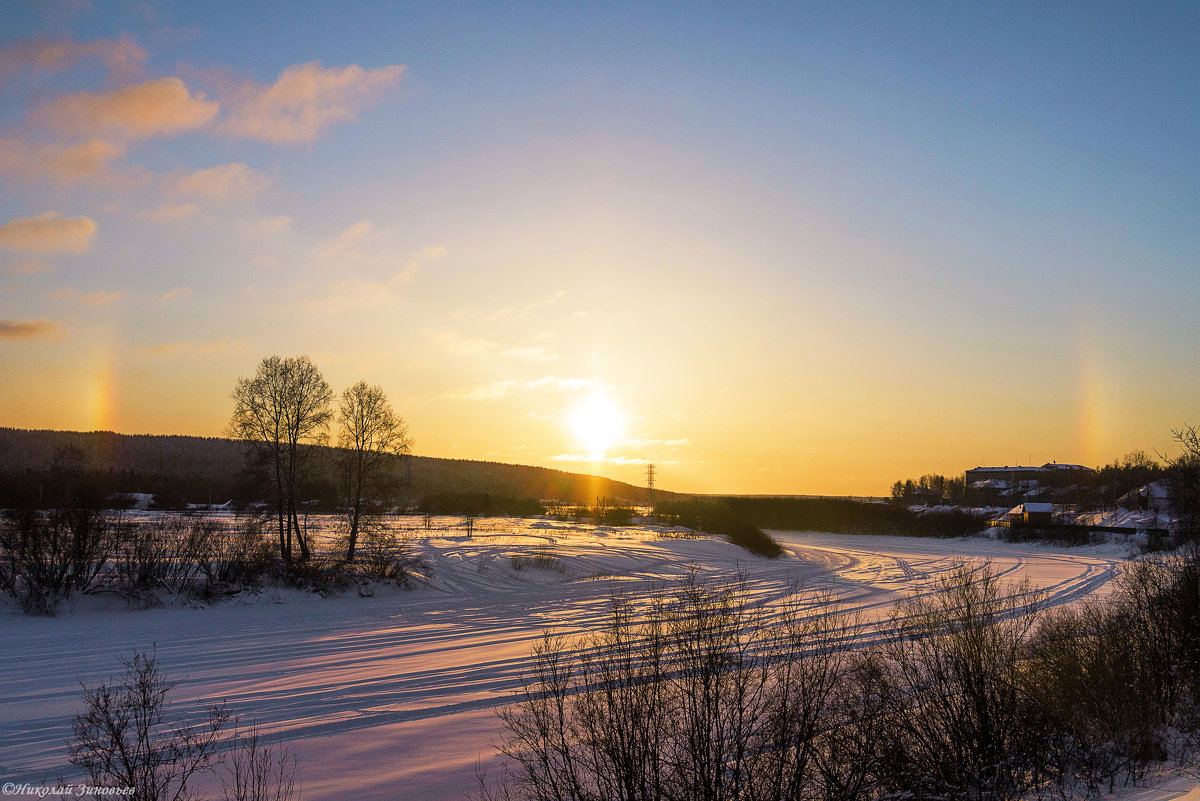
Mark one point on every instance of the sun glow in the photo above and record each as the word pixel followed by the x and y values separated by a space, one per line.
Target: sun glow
pixel 597 424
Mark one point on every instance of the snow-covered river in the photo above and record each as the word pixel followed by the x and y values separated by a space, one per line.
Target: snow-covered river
pixel 394 696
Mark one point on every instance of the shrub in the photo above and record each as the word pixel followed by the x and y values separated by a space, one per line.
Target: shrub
pixel 47 556
pixel 235 557
pixel 385 555
pixel 124 739
pixel 719 517
pixel 961 723
pixel 693 697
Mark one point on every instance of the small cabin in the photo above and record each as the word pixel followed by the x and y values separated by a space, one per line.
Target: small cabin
pixel 1032 514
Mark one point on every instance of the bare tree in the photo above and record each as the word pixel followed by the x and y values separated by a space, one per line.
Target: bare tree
pixel 257 771
pixel 371 435
pixel 124 740
pixel 280 411
pixel 1184 477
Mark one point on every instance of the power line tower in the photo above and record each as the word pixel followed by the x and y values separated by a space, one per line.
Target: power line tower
pixel 650 485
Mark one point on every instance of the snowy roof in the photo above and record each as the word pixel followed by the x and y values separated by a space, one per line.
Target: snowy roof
pixel 1005 469
pixel 1038 507
pixel 1047 467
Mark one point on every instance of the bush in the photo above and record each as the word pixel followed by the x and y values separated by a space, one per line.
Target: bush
pixel 44 557
pixel 961 723
pixel 719 517
pixel 125 740
pixel 163 554
pixel 235 557
pixel 385 555
pixel 694 697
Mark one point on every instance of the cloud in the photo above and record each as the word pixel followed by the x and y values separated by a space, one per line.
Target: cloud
pixel 645 443
pixel 529 354
pixel 306 100
pixel 525 312
pixel 49 232
pixel 198 348
pixel 160 107
pixel 123 57
pixel 431 252
pixel 85 160
pixel 364 246
pixel 32 266
pixel 269 226
pixel 493 391
pixel 500 389
pixel 29 329
pixel 219 185
pixel 568 383
pixel 97 298
pixel 175 294
pixel 580 457
pixel 174 212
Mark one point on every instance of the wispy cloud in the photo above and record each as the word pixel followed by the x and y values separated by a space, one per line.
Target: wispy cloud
pixel 529 354
pixel 97 298
pixel 88 160
pixel 30 329
pixel 268 226
pixel 177 293
pixel 159 107
pixel 198 348
pixel 174 212
pixel 32 266
pixel 123 57
pixel 365 246
pixel 49 232
pixel 500 389
pixel 305 101
pixel 493 391
pixel 581 457
pixel 525 312
pixel 568 383
pixel 645 443
pixel 221 184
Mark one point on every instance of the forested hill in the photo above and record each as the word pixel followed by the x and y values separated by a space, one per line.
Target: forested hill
pixel 211 469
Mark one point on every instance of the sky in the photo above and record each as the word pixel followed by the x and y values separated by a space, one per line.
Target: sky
pixel 805 248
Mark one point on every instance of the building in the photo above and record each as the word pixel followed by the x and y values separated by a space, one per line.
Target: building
pixel 1012 476
pixel 1032 514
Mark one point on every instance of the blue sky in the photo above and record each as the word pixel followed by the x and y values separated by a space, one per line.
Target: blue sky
pixel 815 247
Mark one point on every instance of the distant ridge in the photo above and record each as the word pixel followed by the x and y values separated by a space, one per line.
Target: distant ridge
pixel 207 468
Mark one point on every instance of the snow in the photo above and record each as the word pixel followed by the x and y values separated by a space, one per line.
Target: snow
pixel 394 696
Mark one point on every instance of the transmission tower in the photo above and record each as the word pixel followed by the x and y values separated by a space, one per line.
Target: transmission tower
pixel 650 485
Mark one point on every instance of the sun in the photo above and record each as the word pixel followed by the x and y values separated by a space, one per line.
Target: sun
pixel 597 424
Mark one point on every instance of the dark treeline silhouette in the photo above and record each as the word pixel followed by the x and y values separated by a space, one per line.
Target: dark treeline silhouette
pixel 843 516
pixel 479 504
pixel 182 469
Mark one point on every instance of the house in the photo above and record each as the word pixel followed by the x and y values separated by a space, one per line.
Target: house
pixel 1027 473
pixel 1032 514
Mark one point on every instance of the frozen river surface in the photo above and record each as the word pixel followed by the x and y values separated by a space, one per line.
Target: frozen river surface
pixel 394 696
